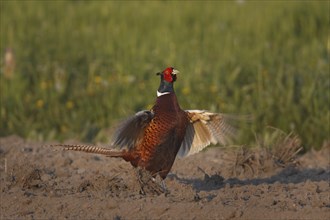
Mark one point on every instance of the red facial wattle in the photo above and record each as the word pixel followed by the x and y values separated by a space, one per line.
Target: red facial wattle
pixel 168 74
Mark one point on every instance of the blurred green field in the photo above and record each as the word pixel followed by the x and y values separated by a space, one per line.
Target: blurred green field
pixel 78 67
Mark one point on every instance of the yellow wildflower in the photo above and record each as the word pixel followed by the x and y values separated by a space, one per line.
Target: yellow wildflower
pixel 69 104
pixel 97 79
pixel 40 103
pixel 186 91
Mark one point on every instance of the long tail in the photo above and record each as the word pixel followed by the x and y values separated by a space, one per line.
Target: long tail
pixel 89 149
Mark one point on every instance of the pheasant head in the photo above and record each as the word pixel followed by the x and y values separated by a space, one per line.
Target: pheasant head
pixel 167 78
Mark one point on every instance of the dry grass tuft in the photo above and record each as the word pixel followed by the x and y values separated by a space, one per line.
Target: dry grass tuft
pixel 286 150
pixel 278 150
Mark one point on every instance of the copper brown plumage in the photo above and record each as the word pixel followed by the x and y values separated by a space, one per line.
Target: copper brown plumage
pixel 153 139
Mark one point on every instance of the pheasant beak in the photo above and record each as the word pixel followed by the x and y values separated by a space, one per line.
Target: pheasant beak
pixel 175 71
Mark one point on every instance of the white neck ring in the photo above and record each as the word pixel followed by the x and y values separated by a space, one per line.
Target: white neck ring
pixel 162 93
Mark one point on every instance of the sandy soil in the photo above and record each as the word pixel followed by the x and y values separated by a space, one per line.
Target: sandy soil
pixel 40 183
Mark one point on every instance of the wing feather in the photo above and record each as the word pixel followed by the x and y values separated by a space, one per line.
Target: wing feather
pixel 206 128
pixel 130 131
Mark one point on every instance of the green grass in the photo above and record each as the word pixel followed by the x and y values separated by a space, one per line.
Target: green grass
pixel 82 66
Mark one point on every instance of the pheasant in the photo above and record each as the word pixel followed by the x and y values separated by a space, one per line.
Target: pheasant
pixel 152 139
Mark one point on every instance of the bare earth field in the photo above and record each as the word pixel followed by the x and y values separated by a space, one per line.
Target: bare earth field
pixel 220 183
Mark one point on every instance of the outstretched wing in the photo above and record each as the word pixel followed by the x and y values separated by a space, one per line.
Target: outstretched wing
pixel 206 128
pixel 130 131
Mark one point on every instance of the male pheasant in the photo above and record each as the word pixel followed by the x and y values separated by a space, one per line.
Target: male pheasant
pixel 152 139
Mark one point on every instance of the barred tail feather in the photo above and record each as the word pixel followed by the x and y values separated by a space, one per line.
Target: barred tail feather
pixel 89 149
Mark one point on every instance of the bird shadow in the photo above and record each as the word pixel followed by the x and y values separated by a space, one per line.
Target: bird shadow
pixel 286 176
